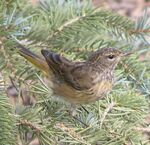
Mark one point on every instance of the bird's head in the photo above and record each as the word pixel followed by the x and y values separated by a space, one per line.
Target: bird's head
pixel 107 57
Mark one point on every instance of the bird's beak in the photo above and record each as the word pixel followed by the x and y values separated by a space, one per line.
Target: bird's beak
pixel 126 54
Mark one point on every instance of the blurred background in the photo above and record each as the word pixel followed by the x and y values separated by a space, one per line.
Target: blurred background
pixel 130 8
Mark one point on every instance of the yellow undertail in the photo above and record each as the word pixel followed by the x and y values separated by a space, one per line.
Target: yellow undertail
pixel 36 60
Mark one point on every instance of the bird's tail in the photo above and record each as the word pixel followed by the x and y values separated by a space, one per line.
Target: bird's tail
pixel 36 60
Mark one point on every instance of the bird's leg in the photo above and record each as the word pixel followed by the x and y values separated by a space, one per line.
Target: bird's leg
pixel 73 113
pixel 72 110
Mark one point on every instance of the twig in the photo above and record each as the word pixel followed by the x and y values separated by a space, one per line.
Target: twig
pixel 66 24
pixel 107 110
pixel 71 132
pixel 30 125
pixel 139 31
pixel 12 81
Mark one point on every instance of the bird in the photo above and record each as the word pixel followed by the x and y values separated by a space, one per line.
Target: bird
pixel 77 82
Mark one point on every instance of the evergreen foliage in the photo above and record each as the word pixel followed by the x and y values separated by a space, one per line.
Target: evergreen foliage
pixel 8 128
pixel 73 28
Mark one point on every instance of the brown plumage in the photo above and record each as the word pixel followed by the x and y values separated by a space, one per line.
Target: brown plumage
pixel 78 82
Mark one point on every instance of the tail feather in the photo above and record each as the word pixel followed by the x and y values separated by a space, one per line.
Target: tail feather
pixel 36 60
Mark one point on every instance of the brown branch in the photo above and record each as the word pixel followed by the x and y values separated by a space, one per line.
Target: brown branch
pixel 71 132
pixel 139 31
pixel 29 124
pixel 13 84
pixel 107 110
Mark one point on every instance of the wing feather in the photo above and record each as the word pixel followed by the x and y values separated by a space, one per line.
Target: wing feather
pixel 75 74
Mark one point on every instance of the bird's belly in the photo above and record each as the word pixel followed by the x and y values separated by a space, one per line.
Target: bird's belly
pixel 74 96
pixel 98 91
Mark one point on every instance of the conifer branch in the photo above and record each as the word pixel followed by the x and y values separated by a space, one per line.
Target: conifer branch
pixel 30 125
pixel 68 24
pixel 139 31
pixel 107 110
pixel 71 133
pixel 138 83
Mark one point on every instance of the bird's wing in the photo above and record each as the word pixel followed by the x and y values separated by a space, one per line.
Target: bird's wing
pixel 81 77
pixel 57 63
pixel 76 74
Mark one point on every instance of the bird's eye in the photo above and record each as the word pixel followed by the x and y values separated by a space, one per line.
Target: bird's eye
pixel 111 56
